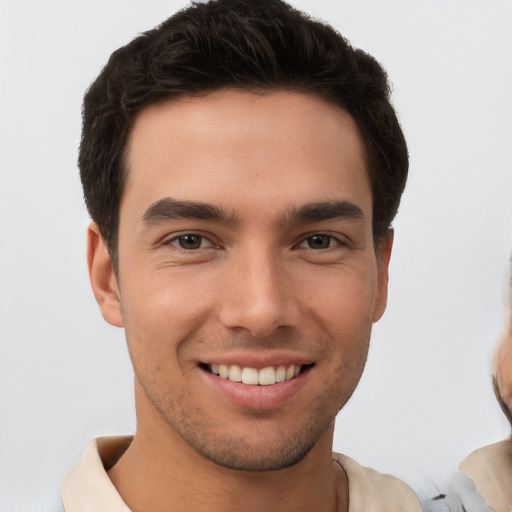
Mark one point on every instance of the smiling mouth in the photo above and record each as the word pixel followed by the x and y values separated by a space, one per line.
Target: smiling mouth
pixel 254 377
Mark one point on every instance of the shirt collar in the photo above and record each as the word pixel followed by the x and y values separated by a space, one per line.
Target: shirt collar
pixel 87 486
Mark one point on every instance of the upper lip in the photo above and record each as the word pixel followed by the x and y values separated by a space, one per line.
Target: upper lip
pixel 258 360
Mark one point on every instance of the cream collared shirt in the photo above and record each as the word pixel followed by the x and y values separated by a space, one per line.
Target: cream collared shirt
pixel 87 487
pixel 490 470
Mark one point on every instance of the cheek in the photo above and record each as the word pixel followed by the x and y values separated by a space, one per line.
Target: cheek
pixel 504 369
pixel 346 302
pixel 344 312
pixel 160 315
pixel 169 297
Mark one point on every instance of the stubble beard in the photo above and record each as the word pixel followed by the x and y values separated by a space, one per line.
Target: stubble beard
pixel 259 453
pixel 262 446
pixel 263 449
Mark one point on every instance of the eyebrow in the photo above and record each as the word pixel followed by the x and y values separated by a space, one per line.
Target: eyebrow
pixel 172 209
pixel 328 210
pixel 169 209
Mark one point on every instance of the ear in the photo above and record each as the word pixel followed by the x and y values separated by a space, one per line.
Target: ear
pixel 383 256
pixel 103 280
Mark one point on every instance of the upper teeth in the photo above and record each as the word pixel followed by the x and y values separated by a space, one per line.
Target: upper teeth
pixel 253 377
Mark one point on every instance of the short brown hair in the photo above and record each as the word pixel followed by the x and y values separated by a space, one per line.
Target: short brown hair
pixel 254 45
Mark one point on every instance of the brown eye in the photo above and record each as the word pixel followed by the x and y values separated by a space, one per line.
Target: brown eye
pixel 189 242
pixel 319 241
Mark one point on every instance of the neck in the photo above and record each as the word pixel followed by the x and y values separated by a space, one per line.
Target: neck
pixel 160 472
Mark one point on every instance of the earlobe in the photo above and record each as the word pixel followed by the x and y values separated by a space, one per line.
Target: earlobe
pixel 383 257
pixel 103 280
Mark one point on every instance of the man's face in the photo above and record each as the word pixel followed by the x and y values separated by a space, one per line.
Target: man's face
pixel 246 249
pixel 503 367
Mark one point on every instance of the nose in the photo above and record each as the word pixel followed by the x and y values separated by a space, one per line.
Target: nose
pixel 260 295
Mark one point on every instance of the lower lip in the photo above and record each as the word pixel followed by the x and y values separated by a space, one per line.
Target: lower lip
pixel 257 397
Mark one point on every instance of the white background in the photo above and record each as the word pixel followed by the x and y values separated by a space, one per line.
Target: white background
pixel 425 400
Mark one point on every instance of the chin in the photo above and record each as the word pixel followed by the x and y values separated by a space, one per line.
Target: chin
pixel 265 446
pixel 256 456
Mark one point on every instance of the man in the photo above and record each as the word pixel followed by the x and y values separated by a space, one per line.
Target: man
pixel 483 482
pixel 242 165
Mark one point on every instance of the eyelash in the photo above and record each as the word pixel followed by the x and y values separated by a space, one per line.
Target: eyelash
pixel 177 238
pixel 331 240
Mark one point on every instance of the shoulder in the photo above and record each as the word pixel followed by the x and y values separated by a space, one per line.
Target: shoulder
pixel 486 473
pixel 87 486
pixel 371 491
pixel 494 457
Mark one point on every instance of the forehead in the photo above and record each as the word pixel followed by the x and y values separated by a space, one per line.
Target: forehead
pixel 234 143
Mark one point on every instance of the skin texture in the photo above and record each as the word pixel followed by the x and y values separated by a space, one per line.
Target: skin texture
pixel 267 282
pixel 503 369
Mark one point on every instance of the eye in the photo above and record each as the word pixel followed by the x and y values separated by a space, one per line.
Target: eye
pixel 191 242
pixel 319 241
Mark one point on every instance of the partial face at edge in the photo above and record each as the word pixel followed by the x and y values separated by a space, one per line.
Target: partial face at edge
pixel 246 241
pixel 503 368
